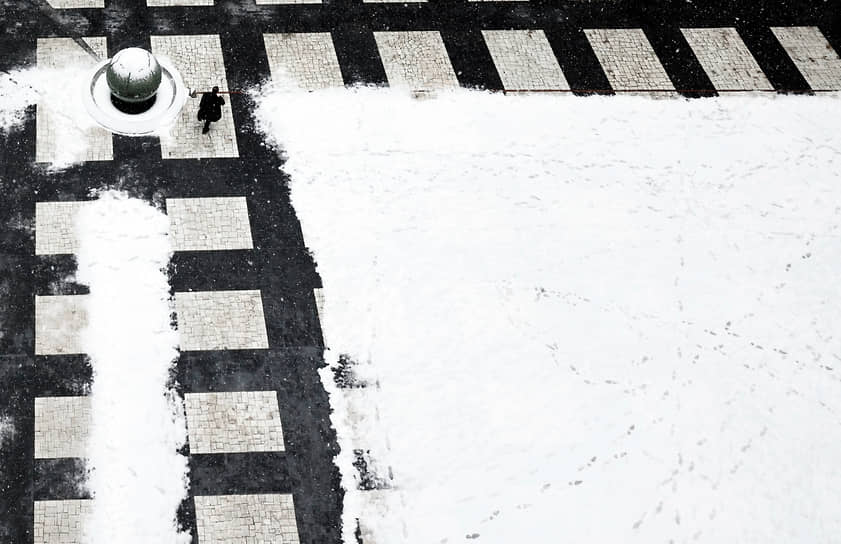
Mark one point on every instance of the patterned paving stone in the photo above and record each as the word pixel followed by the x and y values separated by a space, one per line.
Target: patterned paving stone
pixel 236 422
pixel 206 224
pixel 199 60
pixel 726 59
pixel 168 3
pixel 58 322
pixel 255 519
pixel 60 522
pixel 61 426
pixel 76 4
pixel 417 60
pixel 218 320
pixel 812 54
pixel 303 60
pixel 628 60
pixel 54 230
pixel 524 60
pixel 96 143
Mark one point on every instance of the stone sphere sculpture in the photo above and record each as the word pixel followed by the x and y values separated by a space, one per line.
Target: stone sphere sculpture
pixel 134 93
pixel 134 75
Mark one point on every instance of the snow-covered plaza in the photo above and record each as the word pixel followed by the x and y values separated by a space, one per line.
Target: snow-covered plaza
pixel 469 271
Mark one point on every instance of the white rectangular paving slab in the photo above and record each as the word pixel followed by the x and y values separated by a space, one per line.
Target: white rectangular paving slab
pixel 76 4
pixel 168 3
pixel 524 60
pixel 61 426
pixel 217 320
pixel 58 321
pixel 812 54
pixel 255 519
pixel 272 2
pixel 55 233
pixel 726 59
pixel 233 422
pixel 417 60
pixel 60 522
pixel 304 60
pixel 50 121
pixel 207 224
pixel 628 60
pixel 199 60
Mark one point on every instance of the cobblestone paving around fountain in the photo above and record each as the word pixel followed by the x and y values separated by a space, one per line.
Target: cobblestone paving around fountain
pixel 199 60
pixel 54 123
pixel 246 289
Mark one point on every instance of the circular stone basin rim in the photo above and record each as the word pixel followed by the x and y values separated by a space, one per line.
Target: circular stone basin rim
pixel 171 95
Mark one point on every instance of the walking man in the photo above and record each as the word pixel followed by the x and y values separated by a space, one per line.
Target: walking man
pixel 210 108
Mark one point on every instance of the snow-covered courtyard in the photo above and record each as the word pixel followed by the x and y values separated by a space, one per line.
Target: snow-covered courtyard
pixel 578 319
pixel 378 272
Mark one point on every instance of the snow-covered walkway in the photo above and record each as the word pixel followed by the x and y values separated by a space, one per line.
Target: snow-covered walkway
pixel 583 320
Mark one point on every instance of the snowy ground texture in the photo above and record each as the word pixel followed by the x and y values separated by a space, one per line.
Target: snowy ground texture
pixel 594 319
pixel 137 477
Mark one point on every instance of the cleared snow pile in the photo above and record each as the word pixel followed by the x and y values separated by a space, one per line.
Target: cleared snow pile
pixel 59 92
pixel 16 93
pixel 137 477
pixel 590 319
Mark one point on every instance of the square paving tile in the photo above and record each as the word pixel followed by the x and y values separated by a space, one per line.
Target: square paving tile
pixel 726 59
pixel 303 60
pixel 812 54
pixel 218 320
pixel 628 60
pixel 55 233
pixel 417 60
pixel 60 522
pixel 51 122
pixel 76 4
pixel 59 321
pixel 62 426
pixel 252 519
pixel 205 224
pixel 524 60
pixel 233 422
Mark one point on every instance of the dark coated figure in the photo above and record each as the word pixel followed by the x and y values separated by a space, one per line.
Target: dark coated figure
pixel 210 108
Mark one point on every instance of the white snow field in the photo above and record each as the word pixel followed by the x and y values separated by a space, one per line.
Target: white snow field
pixel 606 319
pixel 137 478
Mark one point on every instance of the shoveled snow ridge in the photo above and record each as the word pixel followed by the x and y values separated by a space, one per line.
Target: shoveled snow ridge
pixel 137 477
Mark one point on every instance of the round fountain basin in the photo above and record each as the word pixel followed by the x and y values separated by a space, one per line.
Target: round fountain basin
pixel 169 99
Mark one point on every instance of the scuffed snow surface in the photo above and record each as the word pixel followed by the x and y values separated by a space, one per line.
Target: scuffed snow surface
pixel 137 477
pixel 63 90
pixel 590 319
